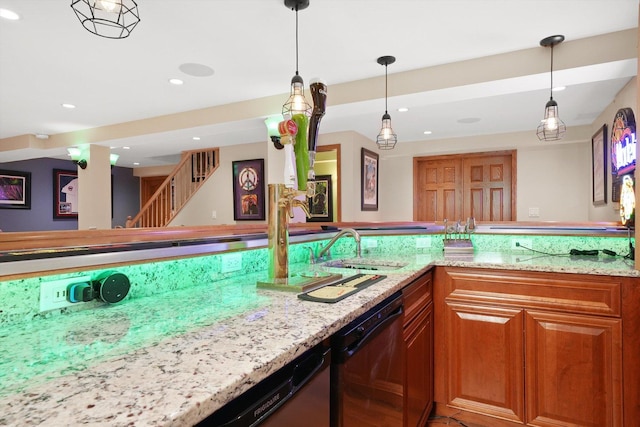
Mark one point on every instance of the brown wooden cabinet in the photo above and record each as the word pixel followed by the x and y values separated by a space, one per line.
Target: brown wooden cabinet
pixel 532 348
pixel 418 339
pixel 485 358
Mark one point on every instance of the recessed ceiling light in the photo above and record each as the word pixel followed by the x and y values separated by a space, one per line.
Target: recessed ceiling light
pixel 427 132
pixel 9 14
pixel 559 88
pixel 196 138
pixel 136 164
pixel 42 136
pixel 176 82
pixel 125 147
pixel 69 106
pixel 403 109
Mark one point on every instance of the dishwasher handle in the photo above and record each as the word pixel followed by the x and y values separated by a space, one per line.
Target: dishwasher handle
pixel 252 415
pixel 307 368
pixel 372 333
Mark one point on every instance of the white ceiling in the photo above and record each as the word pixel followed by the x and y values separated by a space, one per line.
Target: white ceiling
pixel 47 58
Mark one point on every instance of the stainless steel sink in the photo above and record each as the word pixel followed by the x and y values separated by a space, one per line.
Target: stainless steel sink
pixel 364 264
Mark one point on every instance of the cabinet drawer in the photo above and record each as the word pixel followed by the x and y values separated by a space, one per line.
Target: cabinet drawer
pixel 576 293
pixel 417 295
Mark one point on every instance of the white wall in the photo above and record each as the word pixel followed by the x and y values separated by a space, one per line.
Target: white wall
pixel 351 144
pixel 217 192
pixel 555 179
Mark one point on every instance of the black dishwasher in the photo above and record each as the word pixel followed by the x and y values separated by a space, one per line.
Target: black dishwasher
pixel 295 395
pixel 368 369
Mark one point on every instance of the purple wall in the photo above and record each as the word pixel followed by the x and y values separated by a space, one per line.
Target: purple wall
pixel 126 197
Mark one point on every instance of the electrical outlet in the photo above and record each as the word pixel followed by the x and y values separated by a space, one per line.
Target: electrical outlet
pixel 519 244
pixel 53 293
pixel 423 242
pixel 231 262
pixel 369 243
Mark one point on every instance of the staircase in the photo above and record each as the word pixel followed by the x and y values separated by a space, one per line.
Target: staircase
pixel 187 177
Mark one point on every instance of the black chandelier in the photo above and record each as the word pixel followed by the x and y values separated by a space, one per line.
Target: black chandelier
pixel 386 139
pixel 113 19
pixel 551 128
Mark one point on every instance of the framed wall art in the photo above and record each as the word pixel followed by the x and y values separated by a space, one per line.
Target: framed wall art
pixel 369 175
pixel 599 166
pixel 15 189
pixel 321 204
pixel 248 190
pixel 65 194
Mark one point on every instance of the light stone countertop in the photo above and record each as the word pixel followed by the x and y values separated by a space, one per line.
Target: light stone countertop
pixel 172 359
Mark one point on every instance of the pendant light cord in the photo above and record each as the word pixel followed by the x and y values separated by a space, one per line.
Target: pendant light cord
pixel 296 39
pixel 386 111
pixel 551 87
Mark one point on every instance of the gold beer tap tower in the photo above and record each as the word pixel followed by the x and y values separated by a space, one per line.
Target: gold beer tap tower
pixel 282 199
pixel 281 203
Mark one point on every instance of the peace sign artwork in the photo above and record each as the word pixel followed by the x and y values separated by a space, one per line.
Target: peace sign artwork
pixel 248 190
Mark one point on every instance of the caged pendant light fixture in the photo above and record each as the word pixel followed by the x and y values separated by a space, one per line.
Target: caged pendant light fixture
pixel 551 128
pixel 386 139
pixel 113 19
pixel 297 103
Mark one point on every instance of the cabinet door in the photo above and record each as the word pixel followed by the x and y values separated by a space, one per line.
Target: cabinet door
pixel 484 360
pixel 573 370
pixel 418 337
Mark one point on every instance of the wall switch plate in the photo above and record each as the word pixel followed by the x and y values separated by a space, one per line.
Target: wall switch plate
pixel 423 242
pixel 53 293
pixel 369 243
pixel 518 244
pixel 231 262
pixel 214 214
pixel 534 212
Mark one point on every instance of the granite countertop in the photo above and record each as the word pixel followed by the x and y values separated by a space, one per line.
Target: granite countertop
pixel 172 359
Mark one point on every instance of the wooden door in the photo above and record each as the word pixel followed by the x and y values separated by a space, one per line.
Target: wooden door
pixel 574 374
pixel 457 187
pixel 487 188
pixel 148 186
pixel 437 188
pixel 484 359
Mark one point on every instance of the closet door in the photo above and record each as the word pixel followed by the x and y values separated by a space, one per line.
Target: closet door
pixel 461 186
pixel 487 187
pixel 437 188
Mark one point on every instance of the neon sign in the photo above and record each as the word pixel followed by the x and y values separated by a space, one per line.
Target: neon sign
pixel 623 142
pixel 627 201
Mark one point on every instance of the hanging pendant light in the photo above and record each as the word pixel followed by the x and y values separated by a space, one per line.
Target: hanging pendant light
pixel 113 19
pixel 386 139
pixel 551 128
pixel 297 103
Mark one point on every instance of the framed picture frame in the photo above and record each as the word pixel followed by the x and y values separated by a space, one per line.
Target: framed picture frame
pixel 65 194
pixel 321 204
pixel 248 190
pixel 369 175
pixel 15 189
pixel 599 166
